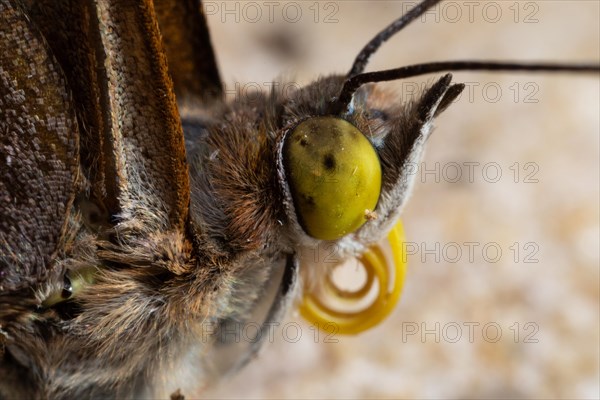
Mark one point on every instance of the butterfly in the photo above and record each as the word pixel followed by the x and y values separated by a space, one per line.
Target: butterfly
pixel 134 247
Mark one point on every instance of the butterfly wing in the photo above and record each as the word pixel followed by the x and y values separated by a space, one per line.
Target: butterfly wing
pixel 191 57
pixel 38 152
pixel 132 147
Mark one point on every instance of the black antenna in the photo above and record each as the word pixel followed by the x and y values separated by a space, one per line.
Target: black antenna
pixel 363 57
pixel 354 82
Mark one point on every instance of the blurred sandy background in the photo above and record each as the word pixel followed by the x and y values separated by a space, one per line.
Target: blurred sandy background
pixel 547 310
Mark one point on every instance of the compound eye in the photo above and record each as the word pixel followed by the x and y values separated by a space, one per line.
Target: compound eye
pixel 73 283
pixel 334 175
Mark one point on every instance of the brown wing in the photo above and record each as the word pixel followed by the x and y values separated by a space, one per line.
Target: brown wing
pixel 189 51
pixel 38 151
pixel 132 144
pixel 66 26
pixel 142 125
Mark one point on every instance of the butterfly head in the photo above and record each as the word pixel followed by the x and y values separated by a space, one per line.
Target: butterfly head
pixel 345 173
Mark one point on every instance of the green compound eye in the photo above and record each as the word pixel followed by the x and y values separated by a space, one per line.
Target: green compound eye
pixel 334 175
pixel 74 283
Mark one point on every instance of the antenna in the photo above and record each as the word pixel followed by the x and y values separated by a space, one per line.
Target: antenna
pixel 374 44
pixel 353 83
pixel 356 77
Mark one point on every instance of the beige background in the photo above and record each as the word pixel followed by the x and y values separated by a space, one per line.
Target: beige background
pixel 558 294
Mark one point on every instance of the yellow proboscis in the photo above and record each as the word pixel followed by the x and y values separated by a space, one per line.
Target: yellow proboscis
pixel 315 310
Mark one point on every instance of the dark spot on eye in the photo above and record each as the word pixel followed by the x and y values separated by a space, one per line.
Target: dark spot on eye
pixel 329 162
pixel 303 142
pixel 310 201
